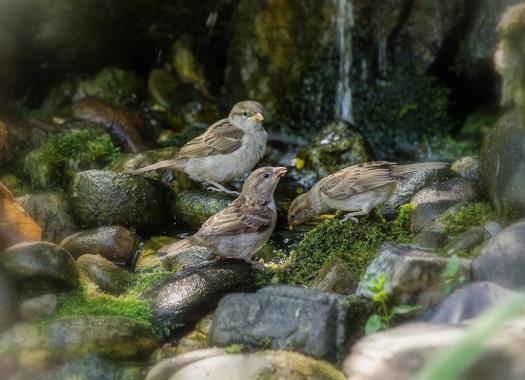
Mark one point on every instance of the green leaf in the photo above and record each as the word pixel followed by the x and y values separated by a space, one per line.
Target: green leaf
pixel 374 324
pixel 406 309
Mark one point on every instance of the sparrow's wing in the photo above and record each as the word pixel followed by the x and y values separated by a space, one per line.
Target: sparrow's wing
pixel 221 138
pixel 357 179
pixel 239 218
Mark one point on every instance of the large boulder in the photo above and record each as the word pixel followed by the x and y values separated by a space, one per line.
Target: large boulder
pixel 189 294
pixel 502 258
pixel 503 162
pixel 41 265
pixel 101 197
pixel 312 322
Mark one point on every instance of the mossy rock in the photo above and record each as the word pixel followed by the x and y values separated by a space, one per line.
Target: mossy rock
pixel 108 198
pixel 194 207
pixel 115 337
pixel 148 258
pixel 355 243
pixel 104 274
pixel 55 162
pixel 113 84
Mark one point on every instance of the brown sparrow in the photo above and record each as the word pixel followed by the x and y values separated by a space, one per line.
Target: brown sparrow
pixel 229 148
pixel 358 189
pixel 241 229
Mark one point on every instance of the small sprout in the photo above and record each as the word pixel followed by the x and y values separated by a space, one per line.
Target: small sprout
pixel 299 163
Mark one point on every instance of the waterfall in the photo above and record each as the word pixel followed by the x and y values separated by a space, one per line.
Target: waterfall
pixel 343 22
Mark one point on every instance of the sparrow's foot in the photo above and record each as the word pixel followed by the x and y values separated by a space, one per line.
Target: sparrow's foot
pixel 348 217
pixel 352 215
pixel 218 188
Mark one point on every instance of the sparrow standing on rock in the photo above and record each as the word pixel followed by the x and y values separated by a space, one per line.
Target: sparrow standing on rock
pixel 241 229
pixel 227 149
pixel 358 189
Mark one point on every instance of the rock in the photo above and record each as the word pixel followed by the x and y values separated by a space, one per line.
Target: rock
pixel 195 207
pixel 412 274
pixel 315 323
pixel 56 161
pixel 401 352
pixel 413 183
pixel 107 276
pixel 112 84
pixel 273 58
pixel 337 277
pixel 115 243
pixel 467 240
pixel 107 198
pixel 186 65
pixel 189 294
pixel 52 212
pixel 167 367
pixel 467 167
pixel 8 300
pixel 125 126
pixel 433 201
pixel 467 302
pixel 34 308
pixel 148 258
pixel 502 258
pixel 114 337
pixel 18 137
pixel 259 365
pixel 40 264
pixel 428 238
pixel 187 257
pixel 503 163
pixel 338 145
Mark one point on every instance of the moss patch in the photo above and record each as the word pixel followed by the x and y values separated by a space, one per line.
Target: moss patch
pixel 62 155
pixel 476 214
pixel 356 243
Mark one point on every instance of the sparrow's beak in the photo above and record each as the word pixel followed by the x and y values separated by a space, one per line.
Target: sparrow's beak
pixel 257 117
pixel 279 172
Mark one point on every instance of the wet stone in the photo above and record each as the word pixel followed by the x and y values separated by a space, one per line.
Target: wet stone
pixel 107 276
pixel 337 277
pixel 194 207
pixel 43 305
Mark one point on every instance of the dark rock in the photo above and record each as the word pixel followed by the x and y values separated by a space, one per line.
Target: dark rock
pixel 18 137
pixel 433 201
pixel 107 276
pixel 503 163
pixel 192 292
pixel 413 183
pixel 312 322
pixel 427 238
pixel 467 302
pixel 191 256
pixel 114 337
pixel 40 264
pixel 115 243
pixel 34 308
pixel 195 207
pixel 108 198
pixel 467 240
pixel 336 276
pixel 8 299
pixel 52 213
pixel 412 274
pixel 502 258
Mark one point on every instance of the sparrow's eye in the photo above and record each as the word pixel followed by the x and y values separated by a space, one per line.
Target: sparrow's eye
pixel 245 113
pixel 266 175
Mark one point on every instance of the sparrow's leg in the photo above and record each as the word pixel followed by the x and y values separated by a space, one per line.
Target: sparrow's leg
pixel 217 187
pixel 352 215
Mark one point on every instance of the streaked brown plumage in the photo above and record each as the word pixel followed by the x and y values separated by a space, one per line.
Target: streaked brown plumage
pixel 357 189
pixel 228 148
pixel 242 228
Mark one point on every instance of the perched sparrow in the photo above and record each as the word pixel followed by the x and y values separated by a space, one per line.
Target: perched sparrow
pixel 227 149
pixel 358 189
pixel 241 229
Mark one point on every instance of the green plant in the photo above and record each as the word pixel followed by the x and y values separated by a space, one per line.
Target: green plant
pixel 452 277
pixel 382 297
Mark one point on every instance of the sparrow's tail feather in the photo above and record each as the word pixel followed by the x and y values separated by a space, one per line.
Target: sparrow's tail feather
pixel 173 164
pixel 174 248
pixel 401 170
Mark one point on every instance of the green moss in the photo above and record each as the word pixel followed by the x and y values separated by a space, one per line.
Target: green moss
pixel 62 155
pixel 234 349
pixel 476 214
pixel 356 243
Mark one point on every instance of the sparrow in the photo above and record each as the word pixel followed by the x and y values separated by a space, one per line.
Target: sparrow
pixel 357 189
pixel 241 229
pixel 228 148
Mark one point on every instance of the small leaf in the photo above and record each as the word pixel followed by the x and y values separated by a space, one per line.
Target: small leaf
pixel 406 309
pixel 374 324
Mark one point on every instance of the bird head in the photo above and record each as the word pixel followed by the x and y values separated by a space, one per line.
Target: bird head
pixel 301 210
pixel 262 182
pixel 247 115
